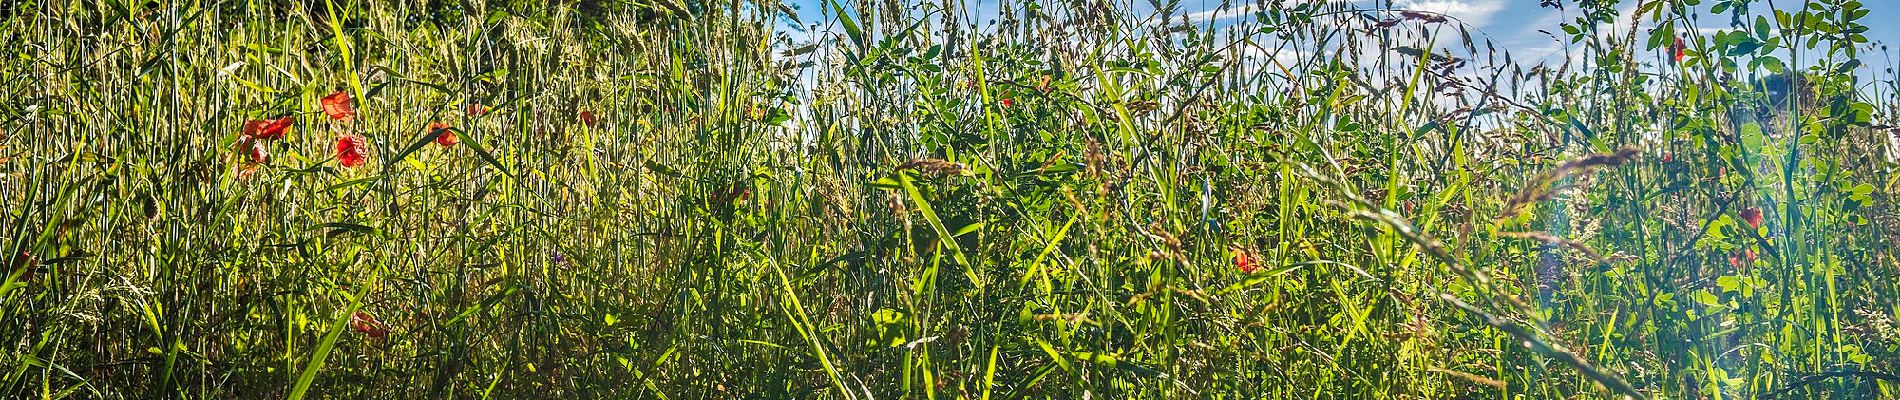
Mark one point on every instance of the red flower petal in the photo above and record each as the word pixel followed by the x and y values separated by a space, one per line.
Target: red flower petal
pixel 272 129
pixel 1244 260
pixel 476 110
pixel 367 324
pixel 254 148
pixel 1678 49
pixel 1752 215
pixel 248 169
pixel 588 118
pixel 252 127
pixel 337 106
pixel 448 138
pixel 351 151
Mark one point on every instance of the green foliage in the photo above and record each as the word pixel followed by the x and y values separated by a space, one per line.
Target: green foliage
pixel 689 199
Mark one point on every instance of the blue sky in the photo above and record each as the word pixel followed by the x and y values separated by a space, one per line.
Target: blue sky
pixel 1513 24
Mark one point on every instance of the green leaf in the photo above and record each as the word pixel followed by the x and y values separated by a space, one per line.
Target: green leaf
pixel 424 141
pixel 661 169
pixel 486 303
pixel 778 117
pixel 989 374
pixel 1582 131
pixel 1729 283
pixel 482 151
pixel 851 29
pixel 440 88
pixel 352 182
pixel 1751 137
pixel 923 207
pixel 309 373
pixel 1744 47
pixel 339 228
pixel 1053 354
pixel 886 183
pixel 1105 360
pixel 972 227
pixel 251 85
pixel 1706 298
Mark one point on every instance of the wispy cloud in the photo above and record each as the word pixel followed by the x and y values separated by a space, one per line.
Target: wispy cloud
pixel 1475 12
pixel 1222 14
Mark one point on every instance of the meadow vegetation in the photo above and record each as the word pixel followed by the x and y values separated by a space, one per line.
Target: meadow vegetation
pixel 1063 199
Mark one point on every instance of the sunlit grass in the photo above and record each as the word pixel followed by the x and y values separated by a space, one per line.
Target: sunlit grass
pixel 1078 200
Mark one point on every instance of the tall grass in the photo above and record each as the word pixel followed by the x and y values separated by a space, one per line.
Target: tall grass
pixel 1062 199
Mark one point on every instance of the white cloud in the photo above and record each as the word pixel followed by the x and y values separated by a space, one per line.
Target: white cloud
pixel 1474 12
pixel 1222 14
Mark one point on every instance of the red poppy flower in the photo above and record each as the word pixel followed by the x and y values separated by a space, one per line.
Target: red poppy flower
pixel 1667 157
pixel 1752 215
pixel 476 109
pixel 448 138
pixel 274 129
pixel 351 151
pixel 367 324
pixel 1006 103
pixel 252 127
pixel 268 129
pixel 1746 257
pixel 1678 49
pixel 1245 261
pixel 253 147
pixel 337 106
pixel 588 118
